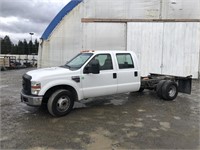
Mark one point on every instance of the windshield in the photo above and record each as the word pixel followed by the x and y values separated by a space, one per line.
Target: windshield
pixel 78 61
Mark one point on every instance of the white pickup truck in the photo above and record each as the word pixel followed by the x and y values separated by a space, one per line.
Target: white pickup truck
pixel 93 74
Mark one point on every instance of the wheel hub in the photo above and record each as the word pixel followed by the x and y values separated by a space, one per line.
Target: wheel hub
pixel 172 91
pixel 63 104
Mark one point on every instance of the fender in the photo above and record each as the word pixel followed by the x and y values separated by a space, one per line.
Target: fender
pixel 76 86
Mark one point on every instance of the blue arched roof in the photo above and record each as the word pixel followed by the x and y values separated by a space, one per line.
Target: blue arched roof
pixel 71 5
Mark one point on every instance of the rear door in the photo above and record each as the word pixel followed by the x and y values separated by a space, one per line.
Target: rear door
pixel 127 74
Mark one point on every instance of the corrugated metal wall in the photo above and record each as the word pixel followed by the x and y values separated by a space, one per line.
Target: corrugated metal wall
pixel 142 9
pixel 180 9
pixel 122 9
pixel 145 39
pixel 167 48
pixel 104 36
pixel 149 40
pixel 181 49
pixel 64 42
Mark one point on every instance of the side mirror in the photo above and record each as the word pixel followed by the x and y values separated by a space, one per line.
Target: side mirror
pixel 92 67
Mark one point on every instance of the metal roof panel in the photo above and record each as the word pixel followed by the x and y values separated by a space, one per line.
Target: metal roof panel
pixel 69 7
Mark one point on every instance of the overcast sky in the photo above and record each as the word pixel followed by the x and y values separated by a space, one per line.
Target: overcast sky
pixel 20 17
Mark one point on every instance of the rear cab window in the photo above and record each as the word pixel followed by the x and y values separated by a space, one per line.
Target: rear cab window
pixel 124 60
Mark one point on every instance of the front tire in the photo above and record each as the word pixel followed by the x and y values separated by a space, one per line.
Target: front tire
pixel 60 103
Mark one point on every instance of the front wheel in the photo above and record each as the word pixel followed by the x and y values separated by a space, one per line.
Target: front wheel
pixel 60 103
pixel 169 90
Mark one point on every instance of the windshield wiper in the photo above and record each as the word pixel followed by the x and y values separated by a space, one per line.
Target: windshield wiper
pixel 66 66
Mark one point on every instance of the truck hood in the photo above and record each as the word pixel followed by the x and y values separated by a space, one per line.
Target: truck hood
pixel 48 72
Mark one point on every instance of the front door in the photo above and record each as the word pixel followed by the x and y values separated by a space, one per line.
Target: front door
pixel 104 83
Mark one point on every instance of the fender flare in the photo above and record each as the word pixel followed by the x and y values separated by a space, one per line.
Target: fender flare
pixel 52 84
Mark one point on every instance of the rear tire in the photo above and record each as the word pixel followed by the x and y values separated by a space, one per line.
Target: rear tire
pixel 60 103
pixel 159 88
pixel 169 90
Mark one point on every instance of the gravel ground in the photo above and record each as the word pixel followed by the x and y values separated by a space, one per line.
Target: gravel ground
pixel 124 121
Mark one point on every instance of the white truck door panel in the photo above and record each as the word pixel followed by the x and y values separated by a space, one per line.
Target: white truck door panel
pixel 127 81
pixel 99 84
pixel 104 83
pixel 128 76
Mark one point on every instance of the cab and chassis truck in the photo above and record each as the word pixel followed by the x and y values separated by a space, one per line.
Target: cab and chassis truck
pixel 92 74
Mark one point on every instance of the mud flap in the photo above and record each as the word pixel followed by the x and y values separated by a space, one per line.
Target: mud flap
pixel 185 85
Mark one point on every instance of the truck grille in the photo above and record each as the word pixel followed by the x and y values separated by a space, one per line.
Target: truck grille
pixel 26 84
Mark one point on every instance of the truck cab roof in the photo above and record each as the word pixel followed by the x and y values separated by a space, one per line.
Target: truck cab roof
pixel 105 51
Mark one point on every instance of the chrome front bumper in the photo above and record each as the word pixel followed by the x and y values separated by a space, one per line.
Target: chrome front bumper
pixel 31 100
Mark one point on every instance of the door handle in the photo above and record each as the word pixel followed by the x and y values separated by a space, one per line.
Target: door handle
pixel 135 73
pixel 114 75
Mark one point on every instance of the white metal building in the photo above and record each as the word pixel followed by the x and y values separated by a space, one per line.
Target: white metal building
pixel 165 34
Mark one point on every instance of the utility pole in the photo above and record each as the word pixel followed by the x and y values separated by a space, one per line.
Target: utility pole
pixel 31 33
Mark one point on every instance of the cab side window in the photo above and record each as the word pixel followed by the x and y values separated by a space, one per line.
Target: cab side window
pixel 124 61
pixel 105 61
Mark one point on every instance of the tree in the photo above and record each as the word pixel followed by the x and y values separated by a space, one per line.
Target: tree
pixel 1 40
pixel 20 47
pixel 26 48
pixel 36 46
pixel 6 45
pixel 15 49
pixel 30 46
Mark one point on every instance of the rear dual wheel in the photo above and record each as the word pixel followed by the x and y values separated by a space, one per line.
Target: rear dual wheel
pixel 159 88
pixel 168 90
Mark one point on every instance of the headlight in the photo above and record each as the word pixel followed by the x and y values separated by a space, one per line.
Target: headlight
pixel 35 87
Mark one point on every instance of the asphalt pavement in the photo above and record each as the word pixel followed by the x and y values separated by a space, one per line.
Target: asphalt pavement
pixel 124 121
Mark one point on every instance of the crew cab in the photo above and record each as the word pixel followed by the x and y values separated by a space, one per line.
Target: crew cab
pixel 93 74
